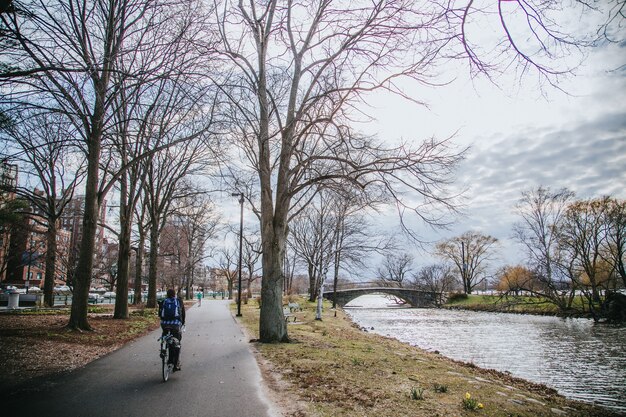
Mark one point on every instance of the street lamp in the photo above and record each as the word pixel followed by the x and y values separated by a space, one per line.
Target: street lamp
pixel 240 195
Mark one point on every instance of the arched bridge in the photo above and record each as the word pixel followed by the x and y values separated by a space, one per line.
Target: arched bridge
pixel 416 298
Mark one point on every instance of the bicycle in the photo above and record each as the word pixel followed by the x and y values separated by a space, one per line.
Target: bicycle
pixel 168 344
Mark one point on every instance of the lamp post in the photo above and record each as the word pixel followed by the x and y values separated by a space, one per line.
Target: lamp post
pixel 240 195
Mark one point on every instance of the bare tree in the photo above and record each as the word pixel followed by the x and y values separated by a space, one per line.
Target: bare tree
pixel 300 69
pixel 154 117
pixel 165 183
pixel 251 256
pixel 470 253
pixel 65 55
pixel 582 233
pixel 352 238
pixel 436 278
pixel 227 262
pixel 615 244
pixel 311 236
pixel 12 213
pixel 198 223
pixel 395 270
pixel 542 212
pixel 39 143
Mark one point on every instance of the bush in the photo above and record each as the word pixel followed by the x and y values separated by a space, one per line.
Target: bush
pixel 457 296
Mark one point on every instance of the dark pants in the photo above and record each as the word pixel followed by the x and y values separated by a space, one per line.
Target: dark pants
pixel 175 331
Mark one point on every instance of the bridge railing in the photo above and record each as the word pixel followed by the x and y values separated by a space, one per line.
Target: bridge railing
pixel 359 285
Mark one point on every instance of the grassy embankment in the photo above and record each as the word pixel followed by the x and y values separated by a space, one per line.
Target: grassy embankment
pixel 332 368
pixel 511 304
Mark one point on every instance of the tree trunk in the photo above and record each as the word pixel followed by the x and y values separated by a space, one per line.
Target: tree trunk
pixel 272 326
pixel 312 281
pixel 123 255
pixel 51 257
pixel 123 269
pixel 84 269
pixel 138 267
pixel 152 264
pixel 336 276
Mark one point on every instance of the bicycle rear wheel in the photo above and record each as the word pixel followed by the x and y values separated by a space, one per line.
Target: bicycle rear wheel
pixel 166 366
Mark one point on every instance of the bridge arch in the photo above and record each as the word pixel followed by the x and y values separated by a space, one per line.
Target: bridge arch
pixel 415 298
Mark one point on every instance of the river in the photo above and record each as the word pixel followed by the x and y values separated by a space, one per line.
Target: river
pixel 580 359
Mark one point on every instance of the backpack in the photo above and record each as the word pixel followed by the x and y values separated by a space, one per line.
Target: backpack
pixel 170 309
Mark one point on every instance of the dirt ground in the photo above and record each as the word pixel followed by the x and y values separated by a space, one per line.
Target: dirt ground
pixel 39 345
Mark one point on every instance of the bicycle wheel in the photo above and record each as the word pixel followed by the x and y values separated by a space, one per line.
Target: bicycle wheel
pixel 166 366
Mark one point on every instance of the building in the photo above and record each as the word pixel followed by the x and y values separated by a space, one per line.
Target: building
pixel 28 249
pixel 8 183
pixel 72 221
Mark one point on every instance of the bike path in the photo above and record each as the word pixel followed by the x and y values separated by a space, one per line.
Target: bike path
pixel 219 377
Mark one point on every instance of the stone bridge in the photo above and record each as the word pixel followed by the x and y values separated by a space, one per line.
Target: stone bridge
pixel 416 298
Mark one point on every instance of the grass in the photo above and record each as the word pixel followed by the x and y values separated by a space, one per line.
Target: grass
pixel 334 369
pixel 512 304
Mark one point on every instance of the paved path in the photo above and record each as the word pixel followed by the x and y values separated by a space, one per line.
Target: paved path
pixel 219 378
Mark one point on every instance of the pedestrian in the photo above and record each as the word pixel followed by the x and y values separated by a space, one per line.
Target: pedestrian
pixel 199 298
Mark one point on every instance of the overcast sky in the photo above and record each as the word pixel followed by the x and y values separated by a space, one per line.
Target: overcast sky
pixel 520 140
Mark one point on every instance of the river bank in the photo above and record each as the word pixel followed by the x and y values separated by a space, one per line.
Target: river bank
pixel 333 368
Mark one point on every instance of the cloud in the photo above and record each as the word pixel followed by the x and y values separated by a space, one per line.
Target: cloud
pixel 588 158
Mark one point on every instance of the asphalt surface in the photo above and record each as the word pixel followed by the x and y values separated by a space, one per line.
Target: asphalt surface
pixel 219 378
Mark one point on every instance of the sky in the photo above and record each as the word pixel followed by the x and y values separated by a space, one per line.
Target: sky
pixel 520 139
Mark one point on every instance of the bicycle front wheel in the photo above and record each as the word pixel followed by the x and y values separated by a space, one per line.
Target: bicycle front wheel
pixel 166 366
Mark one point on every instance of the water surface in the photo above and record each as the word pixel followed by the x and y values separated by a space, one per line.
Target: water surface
pixel 580 359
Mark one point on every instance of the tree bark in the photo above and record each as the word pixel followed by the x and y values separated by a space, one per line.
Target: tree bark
pixel 139 266
pixel 123 269
pixel 272 326
pixel 84 269
pixel 51 258
pixel 152 265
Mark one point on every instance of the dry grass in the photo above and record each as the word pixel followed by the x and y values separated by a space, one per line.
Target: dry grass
pixel 332 368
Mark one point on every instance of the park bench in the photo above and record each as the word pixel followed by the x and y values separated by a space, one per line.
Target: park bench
pixel 288 314
pixel 294 307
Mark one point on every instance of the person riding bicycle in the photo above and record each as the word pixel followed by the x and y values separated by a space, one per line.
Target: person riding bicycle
pixel 172 315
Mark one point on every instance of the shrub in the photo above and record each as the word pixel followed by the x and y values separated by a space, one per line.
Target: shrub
pixel 457 296
pixel 441 388
pixel 417 393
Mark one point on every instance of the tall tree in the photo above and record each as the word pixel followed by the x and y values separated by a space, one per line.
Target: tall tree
pixel 470 253
pixel 41 144
pixel 311 237
pixel 198 222
pixel 166 182
pixel 250 258
pixel 581 238
pixel 300 70
pixel 227 262
pixel 542 211
pixel 436 278
pixel 300 67
pixel 395 270
pixel 64 55
pixel 615 247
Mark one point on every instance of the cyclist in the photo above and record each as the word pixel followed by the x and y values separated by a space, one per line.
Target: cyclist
pixel 172 314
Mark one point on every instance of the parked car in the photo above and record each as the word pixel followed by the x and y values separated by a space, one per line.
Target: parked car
pixel 109 294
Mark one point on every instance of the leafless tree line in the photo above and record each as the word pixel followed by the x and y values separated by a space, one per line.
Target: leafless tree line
pixel 150 87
